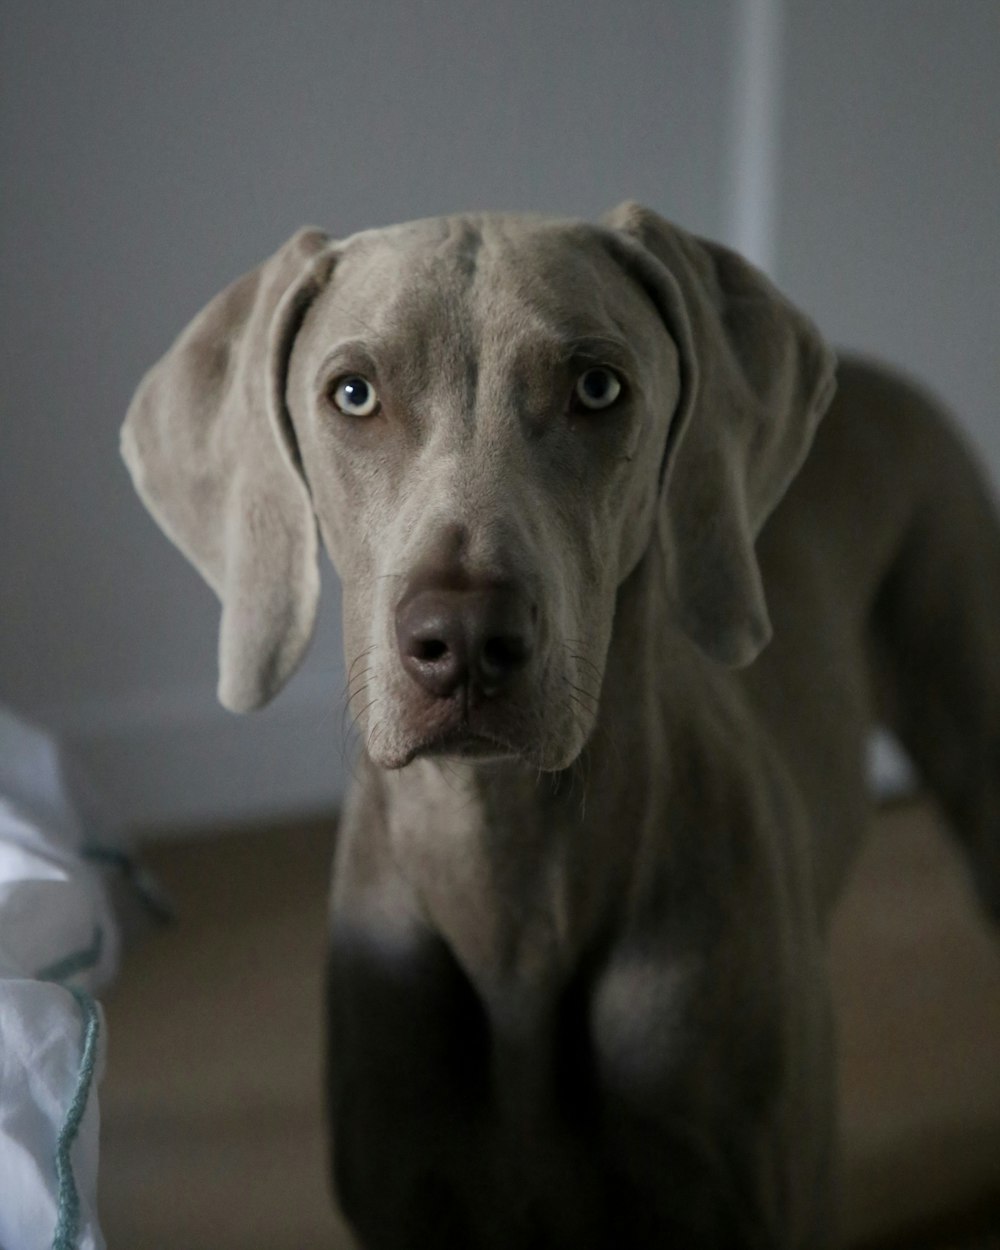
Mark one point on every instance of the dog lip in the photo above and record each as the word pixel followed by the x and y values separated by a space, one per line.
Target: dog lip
pixel 465 742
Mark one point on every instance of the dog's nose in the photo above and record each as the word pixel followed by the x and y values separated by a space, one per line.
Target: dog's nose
pixel 476 637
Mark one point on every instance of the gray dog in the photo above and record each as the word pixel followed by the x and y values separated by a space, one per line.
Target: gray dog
pixel 577 984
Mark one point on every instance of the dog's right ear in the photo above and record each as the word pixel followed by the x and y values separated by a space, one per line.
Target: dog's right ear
pixel 210 447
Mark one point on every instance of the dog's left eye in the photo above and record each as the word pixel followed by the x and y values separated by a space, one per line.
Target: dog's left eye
pixel 597 388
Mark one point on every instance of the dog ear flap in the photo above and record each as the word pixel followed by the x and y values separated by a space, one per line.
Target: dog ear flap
pixel 209 444
pixel 755 379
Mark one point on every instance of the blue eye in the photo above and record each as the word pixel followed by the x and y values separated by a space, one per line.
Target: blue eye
pixel 355 396
pixel 597 388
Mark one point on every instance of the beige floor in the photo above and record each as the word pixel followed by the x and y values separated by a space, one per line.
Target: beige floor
pixel 212 1136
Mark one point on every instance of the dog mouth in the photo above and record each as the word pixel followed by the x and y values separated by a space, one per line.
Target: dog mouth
pixel 464 728
pixel 463 742
pixel 525 724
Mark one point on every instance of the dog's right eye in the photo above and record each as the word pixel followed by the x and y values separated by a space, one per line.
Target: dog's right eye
pixel 354 396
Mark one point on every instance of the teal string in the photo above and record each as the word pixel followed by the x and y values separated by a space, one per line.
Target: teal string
pixel 68 1223
pixel 68 1218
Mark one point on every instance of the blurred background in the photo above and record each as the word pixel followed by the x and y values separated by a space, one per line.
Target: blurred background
pixel 151 153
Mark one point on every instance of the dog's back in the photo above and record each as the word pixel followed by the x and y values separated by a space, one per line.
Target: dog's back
pixel 882 568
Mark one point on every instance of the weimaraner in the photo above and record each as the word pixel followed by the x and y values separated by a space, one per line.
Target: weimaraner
pixel 617 625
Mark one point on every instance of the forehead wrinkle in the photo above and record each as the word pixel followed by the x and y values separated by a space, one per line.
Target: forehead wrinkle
pixel 464 245
pixel 556 284
pixel 436 313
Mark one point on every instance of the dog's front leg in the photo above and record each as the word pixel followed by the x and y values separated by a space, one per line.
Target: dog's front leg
pixel 407 1064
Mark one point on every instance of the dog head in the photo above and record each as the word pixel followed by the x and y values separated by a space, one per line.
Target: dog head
pixel 490 420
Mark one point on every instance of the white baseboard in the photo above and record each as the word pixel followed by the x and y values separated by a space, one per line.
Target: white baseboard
pixel 178 761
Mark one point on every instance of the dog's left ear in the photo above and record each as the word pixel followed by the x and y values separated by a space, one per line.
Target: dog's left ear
pixel 755 379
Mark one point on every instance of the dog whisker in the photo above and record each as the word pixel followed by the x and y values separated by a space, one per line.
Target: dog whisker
pixel 363 680
pixel 345 728
pixel 361 713
pixel 373 736
pixel 582 659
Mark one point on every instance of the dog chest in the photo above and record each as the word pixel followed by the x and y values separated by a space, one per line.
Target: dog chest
pixel 525 1124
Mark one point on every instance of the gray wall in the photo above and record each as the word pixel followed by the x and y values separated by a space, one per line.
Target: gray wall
pixel 888 203
pixel 150 153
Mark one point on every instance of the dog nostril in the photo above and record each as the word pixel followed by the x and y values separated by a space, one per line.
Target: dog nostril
pixel 500 659
pixel 430 649
pixel 502 654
